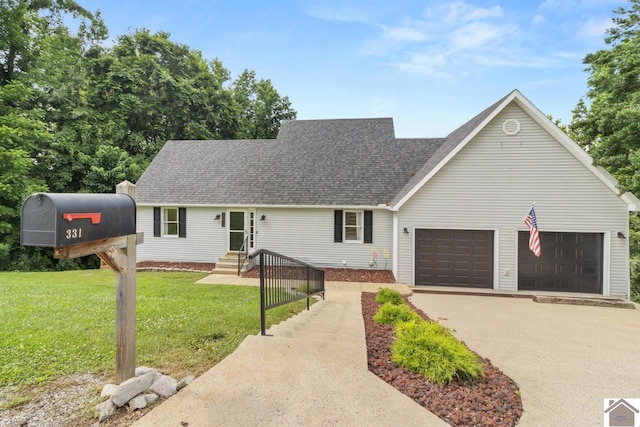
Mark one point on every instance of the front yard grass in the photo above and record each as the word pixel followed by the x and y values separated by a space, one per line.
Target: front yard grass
pixel 60 323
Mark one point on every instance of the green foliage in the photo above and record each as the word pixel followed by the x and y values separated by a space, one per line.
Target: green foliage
pixel 99 115
pixel 262 109
pixel 392 314
pixel 181 327
pixel 389 295
pixel 20 133
pixel 426 348
pixel 607 124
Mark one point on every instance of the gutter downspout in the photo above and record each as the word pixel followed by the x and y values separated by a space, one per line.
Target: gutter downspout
pixel 394 261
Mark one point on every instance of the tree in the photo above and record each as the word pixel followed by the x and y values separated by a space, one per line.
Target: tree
pixel 147 90
pixel 20 133
pixel 20 19
pixel 262 109
pixel 76 116
pixel 607 125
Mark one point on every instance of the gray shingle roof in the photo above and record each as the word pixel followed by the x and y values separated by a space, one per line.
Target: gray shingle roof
pixel 345 162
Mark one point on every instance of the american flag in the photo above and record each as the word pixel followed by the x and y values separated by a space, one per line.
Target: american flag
pixel 534 236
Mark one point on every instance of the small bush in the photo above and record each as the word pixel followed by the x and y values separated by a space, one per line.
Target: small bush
pixel 428 349
pixel 304 288
pixel 388 295
pixel 390 314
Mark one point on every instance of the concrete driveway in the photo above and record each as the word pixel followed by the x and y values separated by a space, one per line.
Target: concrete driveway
pixel 566 359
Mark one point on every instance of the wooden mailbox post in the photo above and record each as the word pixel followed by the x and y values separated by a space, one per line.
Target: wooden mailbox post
pixel 76 225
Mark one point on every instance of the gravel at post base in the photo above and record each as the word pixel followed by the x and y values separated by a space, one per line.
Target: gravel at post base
pixel 490 401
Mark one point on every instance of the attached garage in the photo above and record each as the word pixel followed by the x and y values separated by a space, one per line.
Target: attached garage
pixel 460 258
pixel 570 262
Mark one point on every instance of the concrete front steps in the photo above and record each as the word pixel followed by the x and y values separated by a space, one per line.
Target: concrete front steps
pixel 324 321
pixel 228 264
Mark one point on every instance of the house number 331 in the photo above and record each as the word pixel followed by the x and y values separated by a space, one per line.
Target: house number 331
pixel 74 233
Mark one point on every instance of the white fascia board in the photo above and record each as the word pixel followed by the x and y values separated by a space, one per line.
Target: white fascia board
pixel 633 203
pixel 455 151
pixel 245 206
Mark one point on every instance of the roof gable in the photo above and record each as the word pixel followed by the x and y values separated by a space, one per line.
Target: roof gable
pixel 459 138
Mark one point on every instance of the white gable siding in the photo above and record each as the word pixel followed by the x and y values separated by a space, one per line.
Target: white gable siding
pixel 490 184
pixel 205 241
pixel 307 234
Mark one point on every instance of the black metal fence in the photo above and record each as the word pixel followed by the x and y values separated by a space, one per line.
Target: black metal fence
pixel 284 280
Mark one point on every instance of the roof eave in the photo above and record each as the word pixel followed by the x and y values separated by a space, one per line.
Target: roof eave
pixel 455 151
pixel 261 206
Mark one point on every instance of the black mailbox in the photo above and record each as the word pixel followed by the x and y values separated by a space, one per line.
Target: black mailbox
pixel 59 219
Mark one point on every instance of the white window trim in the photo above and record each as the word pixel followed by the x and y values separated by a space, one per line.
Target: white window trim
pixel 164 221
pixel 359 226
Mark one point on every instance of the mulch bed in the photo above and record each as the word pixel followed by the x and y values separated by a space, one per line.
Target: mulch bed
pixel 345 275
pixel 330 274
pixel 490 401
pixel 185 266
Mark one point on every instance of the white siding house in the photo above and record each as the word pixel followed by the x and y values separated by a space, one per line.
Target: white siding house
pixel 437 212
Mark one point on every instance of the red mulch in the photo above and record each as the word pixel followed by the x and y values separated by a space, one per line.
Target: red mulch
pixel 330 274
pixel 345 275
pixel 490 401
pixel 162 265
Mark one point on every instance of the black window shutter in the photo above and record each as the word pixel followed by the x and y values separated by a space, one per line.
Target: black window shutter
pixel 337 226
pixel 156 222
pixel 368 226
pixel 182 222
pixel 223 217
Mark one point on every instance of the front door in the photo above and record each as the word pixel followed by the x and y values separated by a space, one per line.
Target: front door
pixel 237 230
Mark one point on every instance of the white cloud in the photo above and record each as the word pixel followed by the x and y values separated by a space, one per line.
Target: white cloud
pixel 427 63
pixel 465 12
pixel 595 27
pixel 403 33
pixel 339 13
pixel 478 34
pixel 456 38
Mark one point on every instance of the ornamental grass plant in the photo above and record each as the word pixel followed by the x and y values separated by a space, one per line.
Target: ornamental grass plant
pixel 390 314
pixel 426 347
pixel 388 295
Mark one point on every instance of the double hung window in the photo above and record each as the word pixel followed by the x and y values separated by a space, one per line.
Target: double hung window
pixel 355 226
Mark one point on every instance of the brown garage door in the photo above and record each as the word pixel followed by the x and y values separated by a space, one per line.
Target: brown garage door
pixel 454 258
pixel 570 262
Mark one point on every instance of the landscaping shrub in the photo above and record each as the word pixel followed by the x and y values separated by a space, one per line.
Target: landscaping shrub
pixel 388 295
pixel 390 314
pixel 428 349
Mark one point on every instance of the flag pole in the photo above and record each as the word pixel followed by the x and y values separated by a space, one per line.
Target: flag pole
pixel 525 215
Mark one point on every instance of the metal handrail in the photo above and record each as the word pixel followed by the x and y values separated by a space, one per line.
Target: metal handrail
pixel 283 280
pixel 243 249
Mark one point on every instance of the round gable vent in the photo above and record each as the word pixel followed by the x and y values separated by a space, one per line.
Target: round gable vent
pixel 511 127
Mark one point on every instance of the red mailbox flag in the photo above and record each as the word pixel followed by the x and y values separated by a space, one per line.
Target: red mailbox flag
pixel 94 217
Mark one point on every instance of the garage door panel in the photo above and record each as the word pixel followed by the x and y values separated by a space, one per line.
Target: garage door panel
pixel 570 262
pixel 454 258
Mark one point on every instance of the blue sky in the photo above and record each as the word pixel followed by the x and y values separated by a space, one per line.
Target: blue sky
pixel 431 65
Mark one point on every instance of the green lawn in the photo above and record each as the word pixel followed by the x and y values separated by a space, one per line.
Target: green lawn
pixel 64 322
